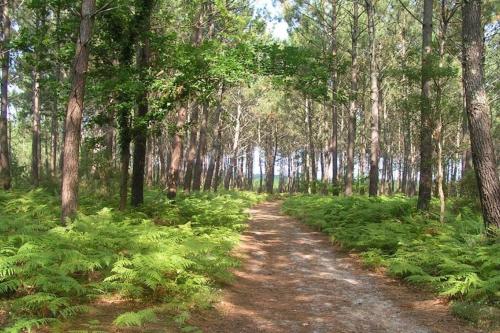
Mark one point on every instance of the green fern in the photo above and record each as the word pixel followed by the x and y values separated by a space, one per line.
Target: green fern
pixel 139 318
pixel 49 272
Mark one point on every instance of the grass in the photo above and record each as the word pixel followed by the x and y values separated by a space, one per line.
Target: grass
pixel 168 254
pixel 455 259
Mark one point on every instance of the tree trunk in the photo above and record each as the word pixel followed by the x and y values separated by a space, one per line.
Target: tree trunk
pixel 374 98
pixel 35 143
pixel 335 116
pixel 233 162
pixel 259 140
pixel 74 114
pixel 176 158
pixel 125 137
pixel 5 173
pixel 439 117
pixel 467 154
pixel 54 130
pixel 362 150
pixel 218 154
pixel 439 151
pixel 215 144
pixel 124 174
pixel 191 152
pixel 483 153
pixel 312 153
pixel 141 123
pixel 426 124
pixel 249 166
pixel 353 107
pixel 54 135
pixel 270 161
pixel 150 156
pixel 202 148
pixel 218 163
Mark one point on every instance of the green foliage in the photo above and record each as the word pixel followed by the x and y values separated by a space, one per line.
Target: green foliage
pixel 138 318
pixel 166 253
pixel 455 258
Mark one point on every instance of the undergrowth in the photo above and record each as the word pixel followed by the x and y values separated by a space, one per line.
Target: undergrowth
pixel 455 259
pixel 165 253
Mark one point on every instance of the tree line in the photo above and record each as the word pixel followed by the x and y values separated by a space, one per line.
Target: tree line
pixel 377 97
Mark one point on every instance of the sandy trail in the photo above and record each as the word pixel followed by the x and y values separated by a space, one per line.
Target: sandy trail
pixel 293 280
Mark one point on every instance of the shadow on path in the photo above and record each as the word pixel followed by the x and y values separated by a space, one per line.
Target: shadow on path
pixel 293 280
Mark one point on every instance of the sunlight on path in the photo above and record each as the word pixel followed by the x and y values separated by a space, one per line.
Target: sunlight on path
pixel 294 281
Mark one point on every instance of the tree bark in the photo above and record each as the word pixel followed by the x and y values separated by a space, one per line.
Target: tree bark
pixel 5 172
pixel 335 116
pixel 163 152
pixel 140 121
pixel 312 153
pixel 362 150
pixel 426 124
pixel 270 161
pixel 467 154
pixel 35 142
pixel 54 130
pixel 150 155
pixel 218 149
pixel 124 159
pixel 353 106
pixel 259 141
pixel 233 163
pixel 74 114
pixel 439 128
pixel 202 148
pixel 483 153
pixel 191 150
pixel 125 138
pixel 218 161
pixel 54 135
pixel 217 135
pixel 176 157
pixel 374 98
pixel 249 166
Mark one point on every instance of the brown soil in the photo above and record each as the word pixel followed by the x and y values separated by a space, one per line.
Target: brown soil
pixel 294 280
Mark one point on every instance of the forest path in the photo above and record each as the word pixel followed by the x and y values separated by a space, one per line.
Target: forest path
pixel 294 280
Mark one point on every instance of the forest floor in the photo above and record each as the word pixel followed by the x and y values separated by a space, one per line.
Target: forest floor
pixel 294 280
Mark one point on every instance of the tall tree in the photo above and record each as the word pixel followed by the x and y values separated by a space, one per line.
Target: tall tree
pixel 335 116
pixel 483 153
pixel 353 106
pixel 5 173
pixel 74 114
pixel 145 8
pixel 374 99
pixel 426 123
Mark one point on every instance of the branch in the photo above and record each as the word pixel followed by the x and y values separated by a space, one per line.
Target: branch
pixel 410 12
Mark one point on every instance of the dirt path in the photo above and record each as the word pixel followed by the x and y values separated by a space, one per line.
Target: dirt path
pixel 294 280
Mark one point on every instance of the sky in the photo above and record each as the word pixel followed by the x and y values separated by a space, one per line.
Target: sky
pixel 278 28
